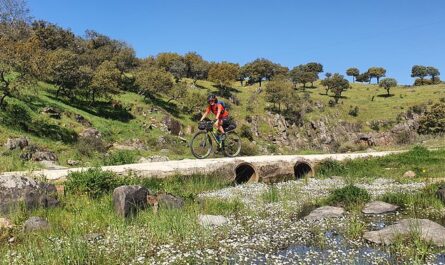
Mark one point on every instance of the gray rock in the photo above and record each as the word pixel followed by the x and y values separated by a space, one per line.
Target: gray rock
pixel 128 200
pixel 91 133
pixel 51 165
pixel 379 207
pixel 16 189
pixel 14 143
pixel 153 159
pixel 427 230
pixel 93 237
pixel 173 126
pixel 409 174
pixel 73 162
pixel 212 220
pixel 169 201
pixel 81 119
pixel 52 112
pixel 35 223
pixel 325 212
pixel 441 193
pixel 44 156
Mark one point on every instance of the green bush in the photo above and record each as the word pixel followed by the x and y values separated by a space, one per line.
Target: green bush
pixel 353 111
pixel 248 149
pixel 94 182
pixel 348 196
pixel 17 114
pixel 246 132
pixel 120 157
pixel 89 145
pixel 433 121
pixel 330 167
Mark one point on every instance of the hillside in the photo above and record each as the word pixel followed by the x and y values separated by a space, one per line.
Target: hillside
pixel 137 128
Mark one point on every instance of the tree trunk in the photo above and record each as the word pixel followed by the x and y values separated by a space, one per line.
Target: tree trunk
pixel 432 78
pixel 260 82
pixel 241 82
pixel 378 80
pixel 388 92
pixel 421 80
pixel 353 79
pixel 337 97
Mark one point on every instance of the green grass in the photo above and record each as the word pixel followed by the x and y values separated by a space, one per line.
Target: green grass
pixel 425 163
pixel 119 125
pixel 79 215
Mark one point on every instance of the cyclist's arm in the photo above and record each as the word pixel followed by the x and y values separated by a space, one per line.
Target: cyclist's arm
pixel 205 114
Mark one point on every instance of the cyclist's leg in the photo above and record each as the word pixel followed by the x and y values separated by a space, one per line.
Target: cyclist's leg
pixel 220 125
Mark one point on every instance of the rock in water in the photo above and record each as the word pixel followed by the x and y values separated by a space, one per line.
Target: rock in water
pixel 35 223
pixel 379 207
pixel 16 189
pixel 128 200
pixel 212 220
pixel 325 212
pixel 427 230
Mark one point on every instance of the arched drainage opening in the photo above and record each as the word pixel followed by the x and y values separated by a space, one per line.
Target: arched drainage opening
pixel 302 169
pixel 244 173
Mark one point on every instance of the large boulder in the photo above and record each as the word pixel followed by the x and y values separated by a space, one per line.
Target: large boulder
pixel 15 190
pixel 44 156
pixel 169 201
pixel 14 143
pixel 35 223
pixel 128 200
pixel 427 230
pixel 173 126
pixel 379 207
pixel 325 212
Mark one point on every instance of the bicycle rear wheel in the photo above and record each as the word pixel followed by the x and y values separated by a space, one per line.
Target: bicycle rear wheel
pixel 232 144
pixel 201 145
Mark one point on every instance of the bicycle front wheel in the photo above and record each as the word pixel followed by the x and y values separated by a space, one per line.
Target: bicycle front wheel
pixel 232 144
pixel 201 145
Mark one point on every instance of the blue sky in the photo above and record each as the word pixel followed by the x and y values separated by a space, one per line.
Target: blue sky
pixel 395 34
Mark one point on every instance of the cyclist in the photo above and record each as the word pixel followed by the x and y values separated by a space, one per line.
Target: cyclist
pixel 220 112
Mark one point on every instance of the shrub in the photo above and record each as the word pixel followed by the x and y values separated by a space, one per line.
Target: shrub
pixel 120 157
pixel 94 182
pixel 353 111
pixel 331 103
pixel 17 114
pixel 348 196
pixel 375 125
pixel 433 121
pixel 89 145
pixel 330 167
pixel 248 149
pixel 404 137
pixel 246 132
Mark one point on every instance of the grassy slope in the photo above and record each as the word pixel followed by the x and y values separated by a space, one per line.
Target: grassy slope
pixel 118 126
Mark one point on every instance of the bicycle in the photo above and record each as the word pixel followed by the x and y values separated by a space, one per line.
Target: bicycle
pixel 202 144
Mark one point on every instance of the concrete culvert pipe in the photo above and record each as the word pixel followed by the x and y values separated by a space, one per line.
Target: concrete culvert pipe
pixel 244 173
pixel 302 169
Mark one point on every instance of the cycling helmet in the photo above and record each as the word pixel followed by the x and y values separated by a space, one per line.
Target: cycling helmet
pixel 211 98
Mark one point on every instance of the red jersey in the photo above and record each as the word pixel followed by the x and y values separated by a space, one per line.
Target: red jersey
pixel 218 107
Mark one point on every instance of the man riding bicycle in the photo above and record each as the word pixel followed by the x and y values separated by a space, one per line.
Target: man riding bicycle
pixel 220 112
